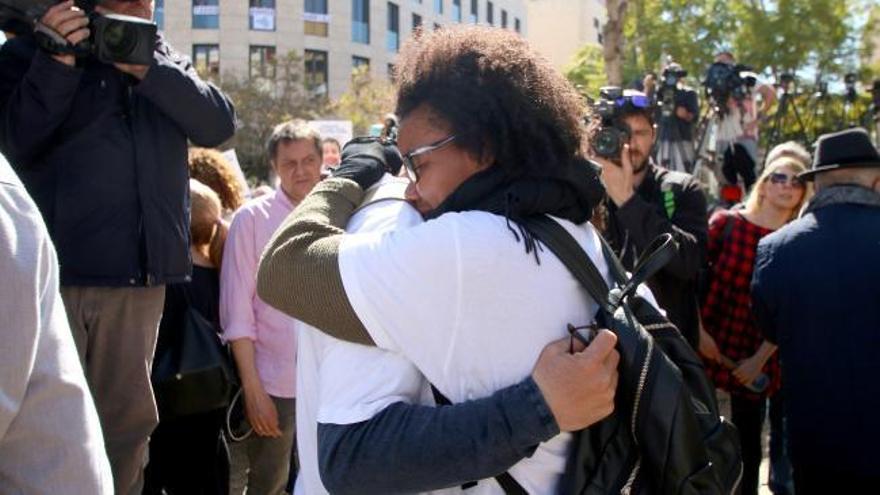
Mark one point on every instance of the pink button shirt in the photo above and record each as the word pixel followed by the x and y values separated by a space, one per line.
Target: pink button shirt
pixel 242 313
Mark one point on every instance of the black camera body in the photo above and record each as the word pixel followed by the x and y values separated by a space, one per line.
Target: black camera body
pixel 114 38
pixel 724 80
pixel 612 133
pixel 671 75
pixel 122 39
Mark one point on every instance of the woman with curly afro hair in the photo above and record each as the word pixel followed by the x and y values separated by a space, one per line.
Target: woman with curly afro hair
pixel 211 168
pixel 489 136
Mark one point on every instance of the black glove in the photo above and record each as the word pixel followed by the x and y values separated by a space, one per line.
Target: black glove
pixel 366 159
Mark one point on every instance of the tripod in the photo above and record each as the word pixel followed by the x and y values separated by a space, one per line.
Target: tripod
pixel 786 102
pixel 673 151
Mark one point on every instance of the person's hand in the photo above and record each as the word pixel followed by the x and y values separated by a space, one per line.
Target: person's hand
pixel 366 159
pixel 139 72
pixel 260 412
pixel 579 387
pixel 684 114
pixel 708 347
pixel 618 179
pixel 748 370
pixel 71 23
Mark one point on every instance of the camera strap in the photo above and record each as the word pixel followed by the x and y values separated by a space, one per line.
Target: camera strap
pixel 51 41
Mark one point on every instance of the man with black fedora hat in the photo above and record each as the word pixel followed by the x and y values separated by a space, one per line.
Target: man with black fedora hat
pixel 816 293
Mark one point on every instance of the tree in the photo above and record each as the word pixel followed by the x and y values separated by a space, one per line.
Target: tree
pixel 613 46
pixel 262 103
pixel 587 70
pixel 365 102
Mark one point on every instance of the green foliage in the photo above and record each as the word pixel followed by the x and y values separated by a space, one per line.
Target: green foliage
pixel 261 104
pixel 818 115
pixel 587 70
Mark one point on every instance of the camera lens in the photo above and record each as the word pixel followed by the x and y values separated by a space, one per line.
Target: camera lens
pixel 607 142
pixel 120 39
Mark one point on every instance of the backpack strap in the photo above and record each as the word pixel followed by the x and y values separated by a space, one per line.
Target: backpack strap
pixel 572 255
pixel 507 482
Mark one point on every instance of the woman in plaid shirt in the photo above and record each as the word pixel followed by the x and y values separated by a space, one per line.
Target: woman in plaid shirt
pixel 735 349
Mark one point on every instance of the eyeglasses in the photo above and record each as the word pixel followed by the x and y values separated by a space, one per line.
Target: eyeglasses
pixel 412 170
pixel 779 178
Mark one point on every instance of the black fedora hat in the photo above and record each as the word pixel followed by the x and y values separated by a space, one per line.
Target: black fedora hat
pixel 851 148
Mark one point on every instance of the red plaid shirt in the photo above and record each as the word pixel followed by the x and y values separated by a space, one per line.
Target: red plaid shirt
pixel 727 314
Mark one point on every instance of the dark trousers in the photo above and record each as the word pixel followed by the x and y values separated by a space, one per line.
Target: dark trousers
pixel 748 416
pixel 188 456
pixel 781 481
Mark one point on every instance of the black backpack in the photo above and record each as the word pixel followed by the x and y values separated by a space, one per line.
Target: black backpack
pixel 665 435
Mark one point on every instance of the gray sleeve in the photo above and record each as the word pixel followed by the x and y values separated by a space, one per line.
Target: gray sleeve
pixel 410 448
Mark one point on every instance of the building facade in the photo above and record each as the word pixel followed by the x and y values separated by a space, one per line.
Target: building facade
pixel 559 28
pixel 332 36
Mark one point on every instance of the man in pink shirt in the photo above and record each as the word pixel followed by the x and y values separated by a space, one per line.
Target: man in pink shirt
pixel 263 339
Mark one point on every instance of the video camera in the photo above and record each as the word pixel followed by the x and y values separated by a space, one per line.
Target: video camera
pixel 671 75
pixel 724 80
pixel 849 83
pixel 114 38
pixel 608 141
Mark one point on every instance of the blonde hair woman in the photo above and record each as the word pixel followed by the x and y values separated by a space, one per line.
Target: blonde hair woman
pixel 187 453
pixel 729 335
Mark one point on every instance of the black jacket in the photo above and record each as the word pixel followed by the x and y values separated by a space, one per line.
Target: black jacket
pixel 666 202
pixel 105 158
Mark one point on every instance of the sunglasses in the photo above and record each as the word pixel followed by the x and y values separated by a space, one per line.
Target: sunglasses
pixel 779 178
pixel 412 170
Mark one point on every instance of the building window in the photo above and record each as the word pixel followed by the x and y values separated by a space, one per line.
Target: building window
pixel 599 38
pixel 475 12
pixel 315 18
pixel 159 14
pixel 416 22
pixel 206 14
pixel 595 22
pixel 438 7
pixel 456 10
pixel 516 25
pixel 392 37
pixel 503 19
pixel 391 72
pixel 262 15
pixel 358 62
pixel 436 26
pixel 490 14
pixel 360 21
pixel 206 59
pixel 262 62
pixel 316 72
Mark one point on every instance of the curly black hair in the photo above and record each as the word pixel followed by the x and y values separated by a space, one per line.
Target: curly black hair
pixel 500 98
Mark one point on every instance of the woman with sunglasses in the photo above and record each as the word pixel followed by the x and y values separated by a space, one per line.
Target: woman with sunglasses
pixel 735 350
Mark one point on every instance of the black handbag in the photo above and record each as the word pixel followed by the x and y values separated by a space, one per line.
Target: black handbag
pixel 193 374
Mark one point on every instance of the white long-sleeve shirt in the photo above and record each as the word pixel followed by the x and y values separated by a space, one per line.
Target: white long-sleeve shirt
pixel 50 437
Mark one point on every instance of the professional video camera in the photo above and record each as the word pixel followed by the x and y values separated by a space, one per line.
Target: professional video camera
pixel 612 134
pixel 724 80
pixel 114 38
pixel 671 75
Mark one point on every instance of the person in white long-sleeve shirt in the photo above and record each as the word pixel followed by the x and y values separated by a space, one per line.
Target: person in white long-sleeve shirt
pixel 50 436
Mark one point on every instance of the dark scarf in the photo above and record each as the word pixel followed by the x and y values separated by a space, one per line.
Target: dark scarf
pixel 570 194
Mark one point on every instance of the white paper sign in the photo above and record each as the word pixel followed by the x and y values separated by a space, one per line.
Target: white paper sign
pixel 206 10
pixel 232 157
pixel 263 18
pixel 322 18
pixel 340 130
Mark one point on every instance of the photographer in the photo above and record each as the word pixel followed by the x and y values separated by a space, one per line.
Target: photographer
pixel 102 148
pixel 735 92
pixel 646 200
pixel 678 107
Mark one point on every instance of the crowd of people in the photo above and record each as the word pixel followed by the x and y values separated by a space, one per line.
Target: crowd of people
pixel 386 319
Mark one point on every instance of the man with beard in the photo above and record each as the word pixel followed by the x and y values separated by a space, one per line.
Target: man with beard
pixel 646 200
